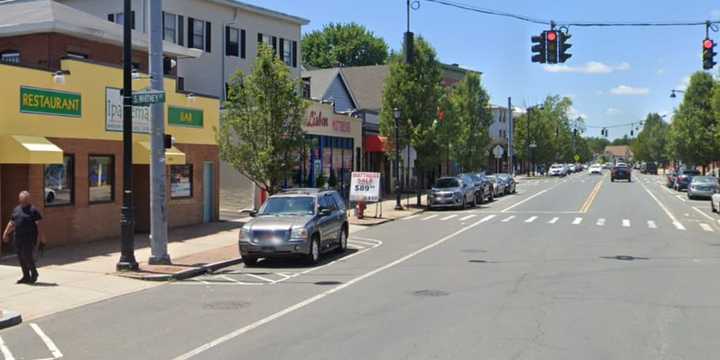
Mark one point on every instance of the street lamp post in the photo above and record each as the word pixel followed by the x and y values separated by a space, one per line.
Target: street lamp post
pixel 673 93
pixel 127 223
pixel 398 205
pixel 527 138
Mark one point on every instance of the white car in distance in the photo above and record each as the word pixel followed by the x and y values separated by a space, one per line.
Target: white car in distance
pixel 595 169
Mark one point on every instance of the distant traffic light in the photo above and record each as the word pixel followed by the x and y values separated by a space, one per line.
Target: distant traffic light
pixel 709 54
pixel 539 49
pixel 552 46
pixel 564 47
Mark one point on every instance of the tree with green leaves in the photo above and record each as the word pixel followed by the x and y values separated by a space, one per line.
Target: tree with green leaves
pixel 597 144
pixel 550 129
pixel 471 107
pixel 651 143
pixel 415 90
pixel 260 132
pixel 694 127
pixel 343 45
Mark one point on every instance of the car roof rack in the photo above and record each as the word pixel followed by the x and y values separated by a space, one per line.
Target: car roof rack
pixel 302 191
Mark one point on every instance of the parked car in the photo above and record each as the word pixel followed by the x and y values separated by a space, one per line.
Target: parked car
pixel 683 178
pixel 483 187
pixel 649 168
pixel 558 170
pixel 715 202
pixel 303 223
pixel 670 178
pixel 452 192
pixel 620 172
pixel 571 168
pixel 595 169
pixel 702 187
pixel 508 182
pixel 498 185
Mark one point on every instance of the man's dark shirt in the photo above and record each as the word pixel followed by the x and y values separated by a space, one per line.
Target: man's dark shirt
pixel 24 218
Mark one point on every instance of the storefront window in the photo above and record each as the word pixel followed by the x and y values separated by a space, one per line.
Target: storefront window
pixel 101 177
pixel 59 182
pixel 181 181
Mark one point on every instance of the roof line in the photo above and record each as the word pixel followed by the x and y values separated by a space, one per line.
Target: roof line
pixel 264 11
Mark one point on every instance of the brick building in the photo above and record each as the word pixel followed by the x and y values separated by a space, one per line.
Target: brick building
pixel 60 122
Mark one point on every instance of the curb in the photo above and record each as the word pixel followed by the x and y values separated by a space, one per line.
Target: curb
pixel 385 221
pixel 9 318
pixel 185 274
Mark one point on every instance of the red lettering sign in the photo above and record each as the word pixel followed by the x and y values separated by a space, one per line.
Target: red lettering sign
pixel 317 120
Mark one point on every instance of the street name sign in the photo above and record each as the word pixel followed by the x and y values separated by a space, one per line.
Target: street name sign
pixel 147 98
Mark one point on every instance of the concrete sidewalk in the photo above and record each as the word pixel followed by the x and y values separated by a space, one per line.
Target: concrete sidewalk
pixel 384 211
pixel 80 274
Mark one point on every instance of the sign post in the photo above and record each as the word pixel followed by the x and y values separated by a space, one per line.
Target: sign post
pixel 148 97
pixel 498 151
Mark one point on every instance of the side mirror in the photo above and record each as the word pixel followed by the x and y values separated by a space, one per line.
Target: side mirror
pixel 249 212
pixel 324 212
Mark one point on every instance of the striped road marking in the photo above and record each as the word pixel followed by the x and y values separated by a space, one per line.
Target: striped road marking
pixel 553 220
pixel 651 224
pixel 531 219
pixel 509 218
pixel 600 222
pixel 577 221
pixel 706 227
pixel 626 223
pixel 410 217
pixel 448 217
pixel 679 226
pixel 429 217
pixel 468 217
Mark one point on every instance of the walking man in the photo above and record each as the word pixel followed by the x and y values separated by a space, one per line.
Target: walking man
pixel 25 226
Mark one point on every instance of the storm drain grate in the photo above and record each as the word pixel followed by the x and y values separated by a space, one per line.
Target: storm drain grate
pixel 430 293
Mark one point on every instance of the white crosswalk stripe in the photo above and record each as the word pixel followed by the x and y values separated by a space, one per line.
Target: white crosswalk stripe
pixel 577 221
pixel 411 217
pixel 679 226
pixel 600 222
pixel 468 217
pixel 553 220
pixel 706 227
pixel 626 223
pixel 448 217
pixel 651 224
pixel 531 219
pixel 429 217
pixel 508 219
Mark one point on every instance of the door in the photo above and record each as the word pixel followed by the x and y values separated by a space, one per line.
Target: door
pixel 208 191
pixel 14 180
pixel 141 198
pixel 326 222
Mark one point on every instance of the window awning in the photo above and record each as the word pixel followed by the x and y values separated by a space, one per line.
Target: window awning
pixel 21 149
pixel 375 143
pixel 142 150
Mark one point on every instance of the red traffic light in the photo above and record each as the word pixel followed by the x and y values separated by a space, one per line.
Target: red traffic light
pixel 551 36
pixel 708 44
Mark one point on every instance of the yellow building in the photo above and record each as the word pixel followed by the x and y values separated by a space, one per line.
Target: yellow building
pixel 61 139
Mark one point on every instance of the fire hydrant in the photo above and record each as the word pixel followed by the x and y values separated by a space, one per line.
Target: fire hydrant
pixel 361 209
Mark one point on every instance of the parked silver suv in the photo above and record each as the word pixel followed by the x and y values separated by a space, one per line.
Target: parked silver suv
pixel 456 192
pixel 300 222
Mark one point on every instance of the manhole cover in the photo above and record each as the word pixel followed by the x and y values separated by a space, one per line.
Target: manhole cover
pixel 225 305
pixel 624 258
pixel 328 283
pixel 431 293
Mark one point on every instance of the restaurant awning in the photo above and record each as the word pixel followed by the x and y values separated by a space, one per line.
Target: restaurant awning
pixel 142 150
pixel 375 143
pixel 21 149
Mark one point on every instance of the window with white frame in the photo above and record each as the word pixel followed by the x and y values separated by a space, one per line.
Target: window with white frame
pixel 232 46
pixel 170 27
pixel 198 34
pixel 12 57
pixel 287 52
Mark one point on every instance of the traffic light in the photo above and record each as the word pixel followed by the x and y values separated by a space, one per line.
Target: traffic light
pixel 709 54
pixel 564 47
pixel 552 46
pixel 539 49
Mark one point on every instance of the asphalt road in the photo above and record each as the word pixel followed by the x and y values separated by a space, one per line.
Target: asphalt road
pixel 574 268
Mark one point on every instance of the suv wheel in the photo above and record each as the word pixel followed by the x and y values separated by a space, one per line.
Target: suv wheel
pixel 249 261
pixel 342 244
pixel 314 256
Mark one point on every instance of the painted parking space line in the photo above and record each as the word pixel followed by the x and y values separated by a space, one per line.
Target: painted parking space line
pixel 429 217
pixel 48 342
pixel 411 217
pixel 467 217
pixel 600 222
pixel 448 217
pixel 553 220
pixel 509 218
pixel 651 224
pixel 577 221
pixel 706 227
pixel 679 226
pixel 626 223
pixel 7 355
pixel 531 219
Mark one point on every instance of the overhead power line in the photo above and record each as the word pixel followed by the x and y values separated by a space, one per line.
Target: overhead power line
pixel 528 19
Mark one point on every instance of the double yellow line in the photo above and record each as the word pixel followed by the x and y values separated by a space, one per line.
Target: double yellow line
pixel 591 198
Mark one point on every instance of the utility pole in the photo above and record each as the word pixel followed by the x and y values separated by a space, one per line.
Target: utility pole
pixel 527 140
pixel 127 223
pixel 158 183
pixel 511 126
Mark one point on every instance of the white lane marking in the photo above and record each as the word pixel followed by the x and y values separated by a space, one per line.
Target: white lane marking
pixel 228 278
pixel 626 223
pixel 313 299
pixel 467 217
pixel 7 355
pixel 48 342
pixel 410 217
pixel 448 217
pixel 261 278
pixel 531 219
pixel 703 214
pixel 672 217
pixel 651 224
pixel 509 218
pixel 553 220
pixel 429 217
pixel 577 221
pixel 600 222
pixel 680 198
pixel 706 227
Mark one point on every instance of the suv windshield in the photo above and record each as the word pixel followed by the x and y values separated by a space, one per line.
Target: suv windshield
pixel 289 205
pixel 447 183
pixel 705 180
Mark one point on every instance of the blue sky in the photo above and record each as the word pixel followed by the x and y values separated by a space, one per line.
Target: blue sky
pixel 616 75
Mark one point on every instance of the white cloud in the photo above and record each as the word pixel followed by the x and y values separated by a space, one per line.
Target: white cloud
pixel 684 83
pixel 573 113
pixel 629 91
pixel 592 67
pixel 613 111
pixel 661 71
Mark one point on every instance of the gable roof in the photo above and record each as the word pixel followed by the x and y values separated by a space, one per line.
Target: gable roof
pixel 263 11
pixel 618 150
pixel 47 16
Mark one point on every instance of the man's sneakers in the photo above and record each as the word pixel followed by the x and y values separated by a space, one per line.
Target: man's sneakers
pixel 23 281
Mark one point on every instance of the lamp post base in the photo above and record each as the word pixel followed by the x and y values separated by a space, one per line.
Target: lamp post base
pixel 160 260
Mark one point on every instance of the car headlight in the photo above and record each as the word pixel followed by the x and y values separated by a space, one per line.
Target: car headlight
pixel 299 234
pixel 244 234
